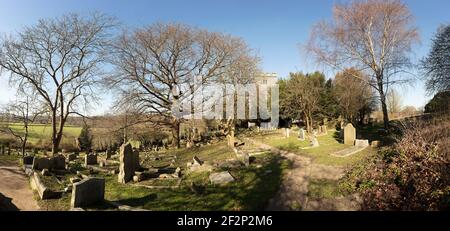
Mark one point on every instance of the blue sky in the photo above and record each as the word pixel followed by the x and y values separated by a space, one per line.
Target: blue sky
pixel 275 29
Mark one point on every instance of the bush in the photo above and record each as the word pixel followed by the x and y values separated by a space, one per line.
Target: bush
pixel 414 174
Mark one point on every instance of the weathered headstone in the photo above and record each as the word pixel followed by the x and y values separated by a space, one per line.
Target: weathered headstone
pixel 221 178
pixel 324 129
pixel 287 132
pixel 349 134
pixel 127 165
pixel 87 192
pixel 301 134
pixel 41 163
pixel 58 162
pixel 90 159
pixel 196 161
pixel 314 142
pixel 28 160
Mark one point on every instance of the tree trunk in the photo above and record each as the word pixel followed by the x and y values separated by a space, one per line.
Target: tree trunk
pixel 24 144
pixel 176 133
pixel 55 144
pixel 383 102
pixel 308 128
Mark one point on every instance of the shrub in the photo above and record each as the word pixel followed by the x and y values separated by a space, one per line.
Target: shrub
pixel 413 174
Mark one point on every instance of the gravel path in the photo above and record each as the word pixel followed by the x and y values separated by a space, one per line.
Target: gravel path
pixel 14 184
pixel 293 192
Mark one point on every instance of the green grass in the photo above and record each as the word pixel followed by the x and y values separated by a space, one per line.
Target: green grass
pixel 210 153
pixel 10 160
pixel 323 189
pixel 39 132
pixel 251 191
pixel 322 155
pixel 253 188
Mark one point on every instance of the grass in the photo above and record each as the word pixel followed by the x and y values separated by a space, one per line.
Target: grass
pixel 254 186
pixel 323 189
pixel 322 155
pixel 38 132
pixel 251 191
pixel 10 160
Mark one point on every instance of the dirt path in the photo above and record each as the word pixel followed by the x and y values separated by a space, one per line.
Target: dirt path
pixel 293 193
pixel 14 184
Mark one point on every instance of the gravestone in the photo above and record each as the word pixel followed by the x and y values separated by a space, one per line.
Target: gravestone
pixel 314 142
pixel 287 132
pixel 28 160
pixel 301 134
pixel 127 165
pixel 221 178
pixel 41 163
pixel 87 192
pixel 90 159
pixel 324 129
pixel 196 161
pixel 58 162
pixel 349 134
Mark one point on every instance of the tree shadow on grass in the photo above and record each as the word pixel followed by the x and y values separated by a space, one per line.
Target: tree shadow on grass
pixel 252 190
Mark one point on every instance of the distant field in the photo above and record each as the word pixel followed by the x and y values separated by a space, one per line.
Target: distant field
pixel 43 131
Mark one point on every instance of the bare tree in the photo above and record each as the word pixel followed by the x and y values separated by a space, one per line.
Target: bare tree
pixel 155 67
pixel 375 36
pixel 58 60
pixel 25 111
pixel 394 101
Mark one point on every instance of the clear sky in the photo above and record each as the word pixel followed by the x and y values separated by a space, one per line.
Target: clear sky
pixel 274 28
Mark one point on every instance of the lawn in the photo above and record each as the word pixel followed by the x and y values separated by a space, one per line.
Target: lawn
pixel 38 132
pixel 254 186
pixel 322 155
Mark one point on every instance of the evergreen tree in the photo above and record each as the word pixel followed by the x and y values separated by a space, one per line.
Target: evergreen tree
pixel 85 138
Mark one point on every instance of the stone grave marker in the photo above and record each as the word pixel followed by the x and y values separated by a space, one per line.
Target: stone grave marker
pixel 40 163
pixel 87 192
pixel 58 162
pixel 28 160
pixel 349 134
pixel 127 165
pixel 90 159
pixel 301 134
pixel 221 178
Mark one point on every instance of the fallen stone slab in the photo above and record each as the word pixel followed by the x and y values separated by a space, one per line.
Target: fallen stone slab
pixel 361 143
pixel 221 178
pixel 348 151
